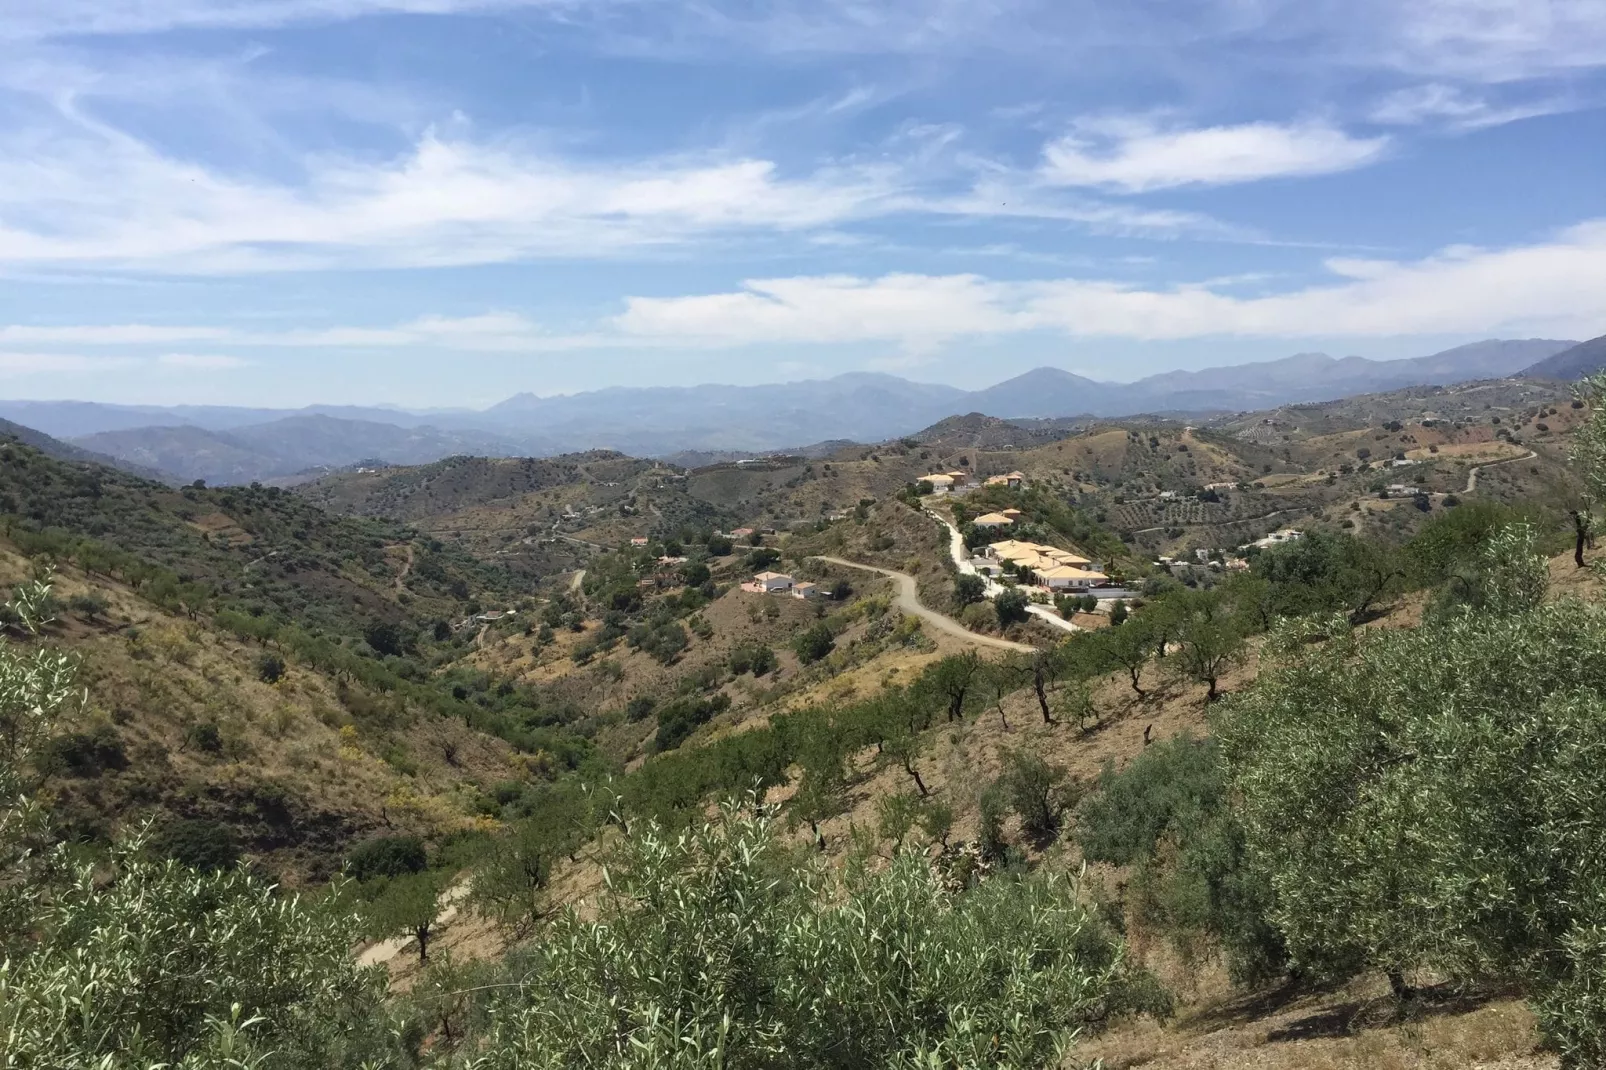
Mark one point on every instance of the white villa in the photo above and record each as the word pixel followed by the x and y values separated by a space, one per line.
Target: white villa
pixel 1055 569
pixel 773 582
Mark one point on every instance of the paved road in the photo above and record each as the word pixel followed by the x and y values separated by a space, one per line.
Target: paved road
pixel 909 602
pixel 1472 476
pixel 956 550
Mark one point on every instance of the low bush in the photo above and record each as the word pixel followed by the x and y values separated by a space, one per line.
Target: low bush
pixel 387 856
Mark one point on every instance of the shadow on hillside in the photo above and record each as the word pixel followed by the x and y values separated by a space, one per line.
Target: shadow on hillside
pixel 1324 1019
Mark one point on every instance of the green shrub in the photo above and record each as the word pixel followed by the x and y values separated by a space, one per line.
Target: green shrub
pixel 968 589
pixel 387 856
pixel 1010 606
pixel 814 644
pixel 728 951
pixel 1166 816
pixel 270 668
pixel 85 754
pixel 1036 791
pixel 679 719
pixel 204 736
pixel 198 843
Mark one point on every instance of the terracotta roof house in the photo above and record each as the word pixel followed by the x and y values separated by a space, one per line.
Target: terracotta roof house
pixel 993 520
pixel 1067 577
pixel 807 590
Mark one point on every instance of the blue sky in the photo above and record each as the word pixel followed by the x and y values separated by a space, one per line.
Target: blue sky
pixel 444 202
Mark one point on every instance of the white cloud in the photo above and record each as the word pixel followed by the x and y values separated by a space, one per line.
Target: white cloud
pixel 99 198
pixel 1556 287
pixel 487 332
pixel 28 18
pixel 1436 102
pixel 201 361
pixel 13 364
pixel 112 334
pixel 1134 154
pixel 114 201
pixel 1490 41
pixel 913 309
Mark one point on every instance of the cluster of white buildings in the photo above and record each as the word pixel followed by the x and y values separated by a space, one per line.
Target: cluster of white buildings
pixel 1053 568
pixel 949 482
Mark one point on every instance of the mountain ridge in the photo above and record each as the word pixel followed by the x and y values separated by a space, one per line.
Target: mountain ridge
pixel 244 444
pixel 1583 359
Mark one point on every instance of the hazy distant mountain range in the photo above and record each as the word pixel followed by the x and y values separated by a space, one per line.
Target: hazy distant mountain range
pixel 224 444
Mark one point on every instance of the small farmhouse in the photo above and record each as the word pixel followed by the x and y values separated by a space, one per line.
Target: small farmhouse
pixel 993 520
pixel 807 591
pixel 773 582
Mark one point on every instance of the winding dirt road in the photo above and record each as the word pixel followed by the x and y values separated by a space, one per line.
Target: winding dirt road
pixel 1472 476
pixel 909 602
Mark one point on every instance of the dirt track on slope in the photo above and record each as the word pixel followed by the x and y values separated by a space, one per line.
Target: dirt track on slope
pixel 909 602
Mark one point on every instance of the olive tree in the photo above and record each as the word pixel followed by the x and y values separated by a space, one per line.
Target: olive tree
pixel 127 962
pixel 719 947
pixel 1431 798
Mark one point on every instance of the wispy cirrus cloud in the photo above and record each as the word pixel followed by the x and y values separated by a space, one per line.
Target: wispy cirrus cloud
pixel 1459 109
pixel 120 202
pixel 105 199
pixel 1137 154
